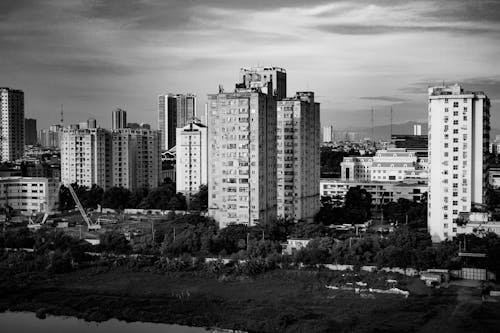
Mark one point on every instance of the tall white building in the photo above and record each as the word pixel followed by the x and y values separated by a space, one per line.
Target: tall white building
pixel 298 142
pixel 191 158
pixel 86 157
pixel 242 150
pixel 135 158
pixel 11 124
pixel 327 134
pixel 459 124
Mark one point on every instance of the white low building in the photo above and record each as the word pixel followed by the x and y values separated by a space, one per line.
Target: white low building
pixel 29 195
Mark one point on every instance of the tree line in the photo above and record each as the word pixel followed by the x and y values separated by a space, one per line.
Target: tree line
pixel 163 197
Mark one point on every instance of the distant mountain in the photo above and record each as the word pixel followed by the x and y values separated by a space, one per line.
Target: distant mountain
pixel 383 132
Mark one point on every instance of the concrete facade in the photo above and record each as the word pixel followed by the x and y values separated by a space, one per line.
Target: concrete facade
pixel 191 158
pixel 459 125
pixel 11 124
pixel 242 150
pixel 135 159
pixel 298 165
pixel 86 157
pixel 29 195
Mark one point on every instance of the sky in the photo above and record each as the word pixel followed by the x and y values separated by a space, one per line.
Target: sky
pixel 93 56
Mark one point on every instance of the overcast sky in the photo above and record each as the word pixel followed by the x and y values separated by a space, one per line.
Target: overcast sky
pixel 96 55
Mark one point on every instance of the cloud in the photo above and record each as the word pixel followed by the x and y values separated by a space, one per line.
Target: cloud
pixel 384 98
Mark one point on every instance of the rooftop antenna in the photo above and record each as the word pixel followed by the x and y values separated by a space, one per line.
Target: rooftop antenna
pixel 373 136
pixel 391 122
pixel 62 116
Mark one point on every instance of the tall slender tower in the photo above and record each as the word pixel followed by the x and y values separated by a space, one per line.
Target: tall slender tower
pixel 11 124
pixel 459 125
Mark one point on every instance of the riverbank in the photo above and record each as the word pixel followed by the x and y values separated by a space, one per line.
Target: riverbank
pixel 276 301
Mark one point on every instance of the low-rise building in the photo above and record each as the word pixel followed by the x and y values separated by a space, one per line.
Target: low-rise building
pixel 29 195
pixel 381 192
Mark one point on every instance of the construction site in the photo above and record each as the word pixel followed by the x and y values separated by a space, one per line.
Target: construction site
pixel 88 224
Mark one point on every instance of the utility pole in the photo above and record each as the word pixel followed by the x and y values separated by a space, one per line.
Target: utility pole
pixel 153 231
pixel 174 234
pixel 391 123
pixel 248 239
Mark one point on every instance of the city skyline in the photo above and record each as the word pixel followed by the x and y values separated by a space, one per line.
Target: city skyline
pixel 95 56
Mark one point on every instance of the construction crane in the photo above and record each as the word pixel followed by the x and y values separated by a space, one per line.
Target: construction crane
pixel 37 225
pixel 91 225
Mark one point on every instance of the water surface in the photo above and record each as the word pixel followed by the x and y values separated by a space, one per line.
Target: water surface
pixel 27 322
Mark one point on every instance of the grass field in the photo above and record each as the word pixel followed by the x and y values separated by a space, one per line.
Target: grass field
pixel 277 301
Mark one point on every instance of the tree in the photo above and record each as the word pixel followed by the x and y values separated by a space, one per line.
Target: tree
pixel 137 196
pixel 116 198
pixel 199 201
pixel 114 242
pixel 160 197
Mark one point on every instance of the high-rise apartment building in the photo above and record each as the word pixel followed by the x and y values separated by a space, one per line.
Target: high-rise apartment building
pixel 459 124
pixel 118 119
pixel 135 158
pixel 11 124
pixel 298 142
pixel 242 150
pixel 174 111
pixel 51 137
pixel 327 134
pixel 270 80
pixel 85 157
pixel 191 158
pixel 186 109
pixel 30 133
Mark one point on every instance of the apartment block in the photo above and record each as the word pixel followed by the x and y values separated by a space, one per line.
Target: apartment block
pixel 458 130
pixel 298 165
pixel 327 134
pixel 135 158
pixel 86 157
pixel 242 150
pixel 191 158
pixel 11 124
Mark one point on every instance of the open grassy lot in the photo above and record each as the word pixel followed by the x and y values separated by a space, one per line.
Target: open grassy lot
pixel 277 301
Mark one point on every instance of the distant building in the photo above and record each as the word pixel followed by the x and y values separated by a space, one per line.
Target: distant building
pixel 381 192
pixel 298 142
pixel 391 164
pixel 191 158
pixel 118 119
pixel 29 195
pixel 270 80
pixel 328 134
pixel 30 132
pixel 51 137
pixel 91 123
pixel 242 150
pixel 11 124
pixel 494 177
pixel 410 142
pixel 417 129
pixel 459 125
pixel 174 111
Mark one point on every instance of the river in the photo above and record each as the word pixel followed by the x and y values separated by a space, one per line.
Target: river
pixel 27 322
